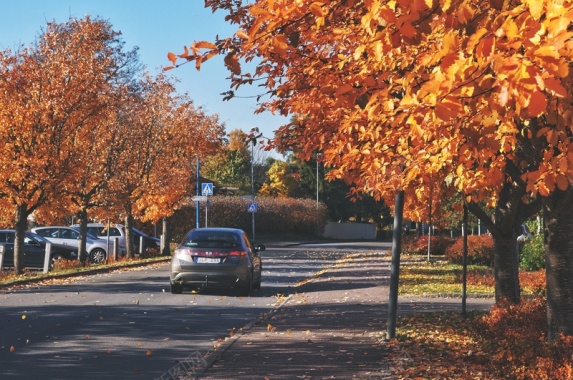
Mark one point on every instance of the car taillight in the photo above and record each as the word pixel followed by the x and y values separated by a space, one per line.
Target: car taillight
pixel 237 253
pixel 183 252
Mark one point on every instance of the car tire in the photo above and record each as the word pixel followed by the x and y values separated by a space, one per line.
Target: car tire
pixel 257 285
pixel 259 266
pixel 54 259
pixel 247 287
pixel 97 256
pixel 176 288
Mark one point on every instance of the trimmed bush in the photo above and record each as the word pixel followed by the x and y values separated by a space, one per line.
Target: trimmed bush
pixel 412 245
pixel 275 216
pixel 480 250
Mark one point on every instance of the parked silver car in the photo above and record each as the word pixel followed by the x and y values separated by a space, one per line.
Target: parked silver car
pixel 216 257
pixel 115 231
pixel 96 248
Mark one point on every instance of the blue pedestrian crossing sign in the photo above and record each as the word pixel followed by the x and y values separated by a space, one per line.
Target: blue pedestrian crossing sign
pixel 206 189
pixel 253 207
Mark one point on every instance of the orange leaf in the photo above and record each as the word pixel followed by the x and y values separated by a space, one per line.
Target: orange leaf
pixel 408 30
pixel 556 87
pixel 448 109
pixel 167 68
pixel 537 104
pixel 316 9
pixel 485 48
pixel 280 43
pixel 148 353
pixel 172 57
pixel 232 64
pixel 185 54
pixel 562 182
pixel 204 45
pixel 12 349
pixel 242 34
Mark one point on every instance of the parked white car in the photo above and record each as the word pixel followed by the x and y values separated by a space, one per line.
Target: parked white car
pixel 115 231
pixel 96 248
pixel 150 244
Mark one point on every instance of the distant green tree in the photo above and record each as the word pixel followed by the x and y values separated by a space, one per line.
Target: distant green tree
pixel 232 165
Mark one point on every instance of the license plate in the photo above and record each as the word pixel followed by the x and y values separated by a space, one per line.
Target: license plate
pixel 208 260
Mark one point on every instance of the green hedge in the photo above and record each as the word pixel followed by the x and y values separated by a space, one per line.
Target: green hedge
pixel 275 216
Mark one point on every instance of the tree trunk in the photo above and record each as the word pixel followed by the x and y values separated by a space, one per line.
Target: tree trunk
pixel 82 253
pixel 129 246
pixel 166 233
pixel 21 224
pixel 502 228
pixel 558 219
pixel 506 266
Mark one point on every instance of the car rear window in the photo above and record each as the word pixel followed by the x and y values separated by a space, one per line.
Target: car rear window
pixel 211 240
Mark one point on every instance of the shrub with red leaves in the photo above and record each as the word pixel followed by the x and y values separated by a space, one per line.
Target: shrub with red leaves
pixel 412 245
pixel 516 338
pixel 480 250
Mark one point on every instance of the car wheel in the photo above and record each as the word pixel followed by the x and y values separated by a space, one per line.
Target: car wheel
pixel 54 259
pixel 97 256
pixel 176 288
pixel 257 284
pixel 247 287
pixel 259 270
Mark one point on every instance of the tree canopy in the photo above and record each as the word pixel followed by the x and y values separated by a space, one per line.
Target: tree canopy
pixel 83 127
pixel 423 96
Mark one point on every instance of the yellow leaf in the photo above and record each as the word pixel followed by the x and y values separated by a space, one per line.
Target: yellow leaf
pixel 24 316
pixel 547 52
pixel 535 8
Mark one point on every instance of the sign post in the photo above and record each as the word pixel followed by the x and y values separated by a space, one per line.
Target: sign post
pixel 206 190
pixel 253 207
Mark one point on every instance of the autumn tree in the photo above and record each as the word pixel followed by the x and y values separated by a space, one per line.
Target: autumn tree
pixel 52 93
pixel 188 133
pixel 280 181
pixel 473 96
pixel 230 165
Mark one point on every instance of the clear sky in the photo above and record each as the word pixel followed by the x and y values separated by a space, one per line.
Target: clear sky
pixel 156 27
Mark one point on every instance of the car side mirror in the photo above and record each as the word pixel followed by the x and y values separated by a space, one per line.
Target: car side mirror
pixel 260 247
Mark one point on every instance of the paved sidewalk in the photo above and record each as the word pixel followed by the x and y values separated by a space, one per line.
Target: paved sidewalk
pixel 330 329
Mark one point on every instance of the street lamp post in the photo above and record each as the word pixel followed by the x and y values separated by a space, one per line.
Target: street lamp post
pixel 253 183
pixel 197 203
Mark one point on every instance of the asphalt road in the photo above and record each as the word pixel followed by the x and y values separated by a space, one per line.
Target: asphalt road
pixel 127 325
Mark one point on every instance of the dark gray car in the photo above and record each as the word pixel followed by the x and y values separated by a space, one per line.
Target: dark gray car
pixel 216 258
pixel 34 250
